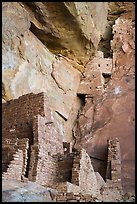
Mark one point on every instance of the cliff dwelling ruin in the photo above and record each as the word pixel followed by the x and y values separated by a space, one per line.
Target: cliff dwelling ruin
pixel 68 101
pixel 32 149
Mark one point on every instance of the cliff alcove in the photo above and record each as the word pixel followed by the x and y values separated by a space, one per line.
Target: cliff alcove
pixel 68 101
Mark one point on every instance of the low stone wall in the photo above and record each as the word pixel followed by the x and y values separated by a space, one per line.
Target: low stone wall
pixel 114 163
pixel 14 170
pixel 71 197
pixel 10 154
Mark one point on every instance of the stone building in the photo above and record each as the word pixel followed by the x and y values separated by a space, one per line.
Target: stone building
pixel 32 149
pixel 28 125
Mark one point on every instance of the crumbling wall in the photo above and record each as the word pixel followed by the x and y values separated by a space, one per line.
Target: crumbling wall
pixel 83 172
pixel 17 152
pixel 48 157
pixel 47 170
pixel 84 180
pixel 114 160
pixel 113 174
pixel 14 170
pixel 87 185
pixel 12 158
pixel 17 119
pixel 48 144
pixel 76 197
pixel 33 120
pixel 112 190
pixel 17 116
pixel 93 81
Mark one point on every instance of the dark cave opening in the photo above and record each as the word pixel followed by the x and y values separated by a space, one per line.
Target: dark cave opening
pixel 105 43
pixel 29 153
pixel 82 98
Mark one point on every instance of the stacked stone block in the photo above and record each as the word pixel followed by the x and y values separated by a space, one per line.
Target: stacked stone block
pixel 17 115
pixel 76 169
pixel 114 161
pixel 33 162
pixel 33 148
pixel 30 117
pixel 10 155
pixel 48 142
pixel 113 176
pixel 15 168
pixel 91 85
pixel 94 80
pixel 17 155
pixel 74 197
pixel 62 191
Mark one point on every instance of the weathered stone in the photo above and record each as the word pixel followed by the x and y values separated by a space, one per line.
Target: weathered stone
pixel 114 111
pixel 60 24
pixel 32 119
pixel 96 76
pixel 17 191
pixel 44 46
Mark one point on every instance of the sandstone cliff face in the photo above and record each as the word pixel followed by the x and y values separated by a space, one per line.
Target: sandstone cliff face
pixel 33 44
pixel 28 66
pixel 110 112
pixel 53 47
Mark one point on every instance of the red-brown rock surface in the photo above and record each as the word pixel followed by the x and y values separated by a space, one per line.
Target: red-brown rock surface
pixel 112 113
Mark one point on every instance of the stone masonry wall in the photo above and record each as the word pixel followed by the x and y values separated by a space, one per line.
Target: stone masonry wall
pixel 84 181
pixel 14 170
pixel 17 118
pixel 49 143
pixel 112 190
pixel 76 169
pixel 44 156
pixel 78 197
pixel 33 120
pixel 114 163
pixel 17 115
pixel 11 147
pixel 86 175
pixel 93 81
pixel 89 185
pixel 17 152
